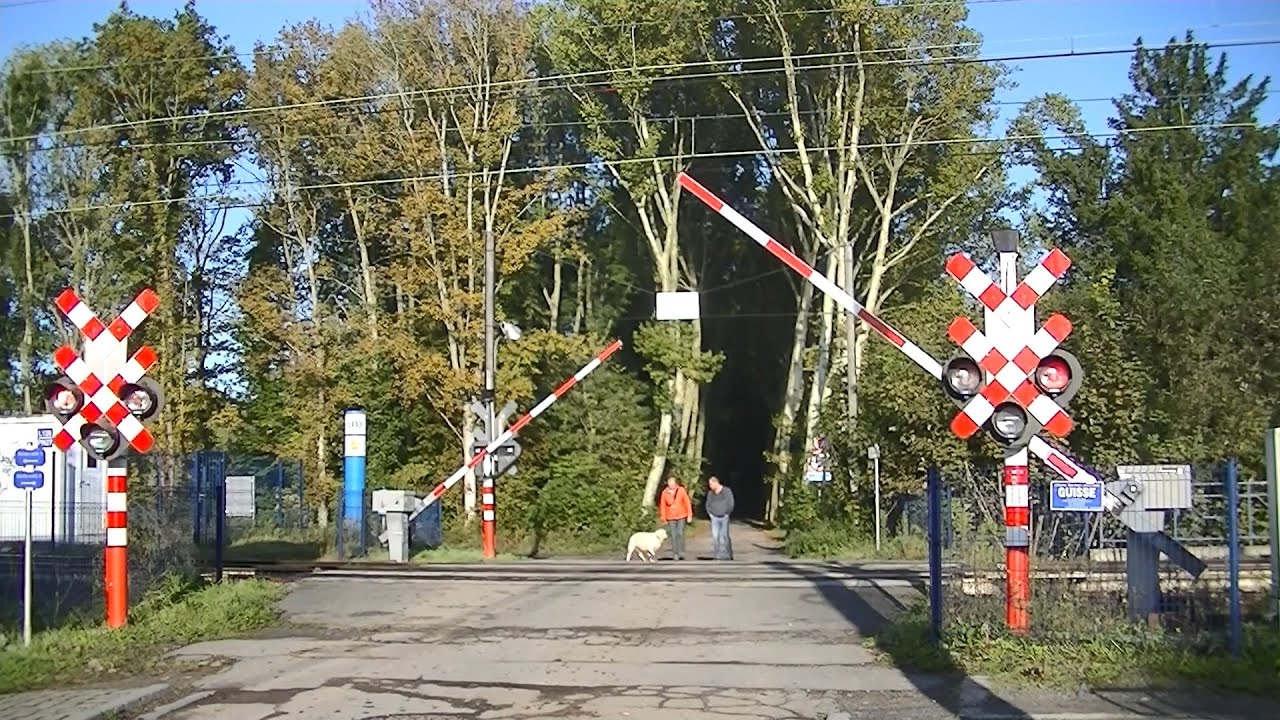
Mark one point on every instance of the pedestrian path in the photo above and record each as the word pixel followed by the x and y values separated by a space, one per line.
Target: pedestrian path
pixel 79 704
pixel 750 543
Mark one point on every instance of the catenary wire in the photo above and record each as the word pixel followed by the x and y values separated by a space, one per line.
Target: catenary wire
pixel 157 60
pixel 257 138
pixel 544 84
pixel 687 159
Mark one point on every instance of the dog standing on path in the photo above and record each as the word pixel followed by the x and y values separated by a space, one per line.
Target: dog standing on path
pixel 647 544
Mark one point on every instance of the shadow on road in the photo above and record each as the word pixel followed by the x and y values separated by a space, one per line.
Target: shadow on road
pixel 949 688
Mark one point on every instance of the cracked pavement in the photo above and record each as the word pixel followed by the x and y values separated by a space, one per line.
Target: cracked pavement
pixel 721 641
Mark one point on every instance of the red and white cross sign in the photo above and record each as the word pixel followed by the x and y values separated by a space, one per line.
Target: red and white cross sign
pixel 105 357
pixel 1009 352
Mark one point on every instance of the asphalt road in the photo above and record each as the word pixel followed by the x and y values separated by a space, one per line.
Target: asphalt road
pixel 724 640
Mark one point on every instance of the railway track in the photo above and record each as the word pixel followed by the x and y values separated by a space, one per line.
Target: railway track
pixel 1254 571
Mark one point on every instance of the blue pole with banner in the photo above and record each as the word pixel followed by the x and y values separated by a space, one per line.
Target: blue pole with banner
pixel 353 465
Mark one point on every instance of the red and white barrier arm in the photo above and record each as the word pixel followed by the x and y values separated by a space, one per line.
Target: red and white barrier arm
pixel 1061 464
pixel 515 427
pixel 820 281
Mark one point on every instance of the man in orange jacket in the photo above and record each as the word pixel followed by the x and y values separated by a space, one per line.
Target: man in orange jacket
pixel 675 509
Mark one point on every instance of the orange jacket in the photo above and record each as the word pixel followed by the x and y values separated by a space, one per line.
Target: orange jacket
pixel 675 505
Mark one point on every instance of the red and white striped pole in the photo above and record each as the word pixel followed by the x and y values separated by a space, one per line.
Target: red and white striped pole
pixel 488 517
pixel 1005 331
pixel 514 430
pixel 117 553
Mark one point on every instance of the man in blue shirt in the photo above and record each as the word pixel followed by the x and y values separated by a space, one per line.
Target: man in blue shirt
pixel 719 508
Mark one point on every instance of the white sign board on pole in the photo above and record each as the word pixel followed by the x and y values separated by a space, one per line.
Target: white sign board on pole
pixel 676 306
pixel 241 498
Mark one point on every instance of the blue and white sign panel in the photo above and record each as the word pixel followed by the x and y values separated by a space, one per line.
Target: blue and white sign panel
pixel 28 479
pixel 1065 496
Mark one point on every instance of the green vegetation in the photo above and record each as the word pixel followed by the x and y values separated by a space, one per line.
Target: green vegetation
pixel 1120 656
pixel 177 612
pixel 352 278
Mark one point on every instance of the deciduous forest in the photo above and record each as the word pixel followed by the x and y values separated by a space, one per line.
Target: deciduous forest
pixel 312 213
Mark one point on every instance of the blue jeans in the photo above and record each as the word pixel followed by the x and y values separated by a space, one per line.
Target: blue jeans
pixel 721 545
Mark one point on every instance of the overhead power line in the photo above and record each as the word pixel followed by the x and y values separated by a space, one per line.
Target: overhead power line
pixel 560 81
pixel 159 60
pixel 686 159
pixel 256 139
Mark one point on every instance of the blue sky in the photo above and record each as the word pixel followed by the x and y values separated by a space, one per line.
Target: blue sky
pixel 1011 28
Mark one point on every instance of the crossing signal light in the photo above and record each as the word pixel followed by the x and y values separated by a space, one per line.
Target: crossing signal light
pixel 1010 425
pixel 103 441
pixel 142 399
pixel 962 378
pixel 63 399
pixel 1059 375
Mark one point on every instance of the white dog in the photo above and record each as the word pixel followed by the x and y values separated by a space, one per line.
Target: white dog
pixel 647 544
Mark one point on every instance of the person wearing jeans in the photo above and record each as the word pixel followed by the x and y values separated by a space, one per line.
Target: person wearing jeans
pixel 719 508
pixel 675 509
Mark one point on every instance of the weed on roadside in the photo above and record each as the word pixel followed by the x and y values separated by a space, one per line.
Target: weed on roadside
pixel 1120 656
pixel 179 611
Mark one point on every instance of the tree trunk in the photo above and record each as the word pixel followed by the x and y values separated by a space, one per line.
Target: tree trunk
pixel 662 448
pixel 26 348
pixel 322 468
pixel 791 398
pixel 818 388
pixel 366 267
pixel 850 344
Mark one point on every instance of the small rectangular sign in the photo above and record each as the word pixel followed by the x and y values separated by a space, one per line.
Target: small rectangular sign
pixel 241 495
pixel 1065 496
pixel 353 446
pixel 353 422
pixel 676 306
pixel 45 437
pixel 29 457
pixel 28 479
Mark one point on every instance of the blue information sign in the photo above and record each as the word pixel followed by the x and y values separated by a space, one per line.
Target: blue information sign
pixel 1066 496
pixel 28 479
pixel 29 457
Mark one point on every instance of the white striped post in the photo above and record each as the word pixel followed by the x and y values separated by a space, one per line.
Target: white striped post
pixel 117 552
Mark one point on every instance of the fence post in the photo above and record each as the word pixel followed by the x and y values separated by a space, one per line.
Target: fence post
pixel 279 494
pixel 935 553
pixel 341 529
pixel 304 517
pixel 197 499
pixel 1271 445
pixel 220 525
pixel 1232 482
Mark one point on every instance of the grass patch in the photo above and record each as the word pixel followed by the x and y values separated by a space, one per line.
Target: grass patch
pixel 1128 656
pixel 833 543
pixel 180 611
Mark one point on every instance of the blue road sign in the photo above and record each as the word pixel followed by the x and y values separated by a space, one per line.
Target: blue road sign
pixel 45 436
pixel 1066 496
pixel 29 457
pixel 28 479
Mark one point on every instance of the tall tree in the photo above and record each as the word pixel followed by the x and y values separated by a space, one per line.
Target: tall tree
pixel 619 61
